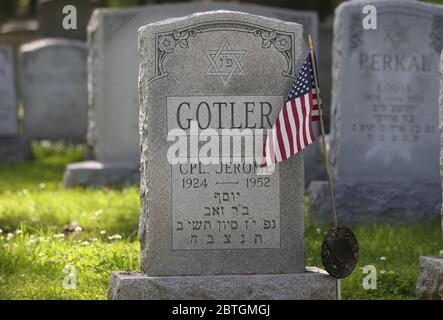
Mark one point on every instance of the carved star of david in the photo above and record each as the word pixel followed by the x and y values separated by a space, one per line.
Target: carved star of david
pixel 225 62
pixel 396 34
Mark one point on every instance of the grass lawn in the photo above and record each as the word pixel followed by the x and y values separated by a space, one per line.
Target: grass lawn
pixel 48 232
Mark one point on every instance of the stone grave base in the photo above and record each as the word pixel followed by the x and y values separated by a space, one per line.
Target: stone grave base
pixel 14 148
pixel 369 202
pixel 315 284
pixel 430 279
pixel 99 174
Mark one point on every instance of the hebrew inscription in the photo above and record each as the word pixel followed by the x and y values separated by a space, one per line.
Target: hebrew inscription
pixel 228 214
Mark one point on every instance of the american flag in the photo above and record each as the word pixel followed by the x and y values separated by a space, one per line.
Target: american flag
pixel 292 131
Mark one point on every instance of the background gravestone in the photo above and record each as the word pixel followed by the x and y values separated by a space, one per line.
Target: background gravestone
pixel 441 128
pixel 113 132
pixel 53 83
pixel 224 239
pixel 15 33
pixel 384 127
pixel 12 147
pixel 50 17
pixel 8 101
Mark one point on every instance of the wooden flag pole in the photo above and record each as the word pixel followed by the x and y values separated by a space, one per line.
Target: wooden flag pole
pixel 325 151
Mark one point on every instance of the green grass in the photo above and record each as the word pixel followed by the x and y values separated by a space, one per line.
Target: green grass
pixel 394 251
pixel 92 230
pixel 46 229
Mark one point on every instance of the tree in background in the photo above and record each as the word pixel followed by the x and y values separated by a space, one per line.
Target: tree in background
pixel 7 8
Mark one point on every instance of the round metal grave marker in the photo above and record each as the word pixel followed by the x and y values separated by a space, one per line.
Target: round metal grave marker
pixel 339 251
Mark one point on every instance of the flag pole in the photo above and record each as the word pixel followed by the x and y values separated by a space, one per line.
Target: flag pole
pixel 325 151
pixel 322 127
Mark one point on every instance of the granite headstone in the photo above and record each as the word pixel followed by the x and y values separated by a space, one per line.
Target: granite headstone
pixel 12 147
pixel 8 101
pixel 15 33
pixel 441 129
pixel 430 278
pixel 113 132
pixel 207 231
pixel 54 89
pixel 384 140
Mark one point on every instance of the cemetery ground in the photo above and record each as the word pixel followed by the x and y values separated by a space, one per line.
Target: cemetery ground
pixel 45 228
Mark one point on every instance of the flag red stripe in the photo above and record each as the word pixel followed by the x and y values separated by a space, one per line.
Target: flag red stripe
pixel 288 129
pixel 281 145
pixel 271 146
pixel 297 122
pixel 263 159
pixel 311 131
pixel 302 122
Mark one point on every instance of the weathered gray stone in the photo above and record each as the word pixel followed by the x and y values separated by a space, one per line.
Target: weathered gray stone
pixel 98 174
pixel 50 17
pixel 12 147
pixel 113 132
pixel 441 129
pixel 250 244
pixel 8 100
pixel 384 126
pixel 371 202
pixel 171 72
pixel 53 85
pixel 15 33
pixel 430 279
pixel 302 286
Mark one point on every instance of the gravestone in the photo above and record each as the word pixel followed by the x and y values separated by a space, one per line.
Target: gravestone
pixel 51 15
pixel 8 101
pixel 113 133
pixel 441 128
pixel 12 147
pixel 384 139
pixel 54 89
pixel 218 238
pixel 430 278
pixel 15 33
